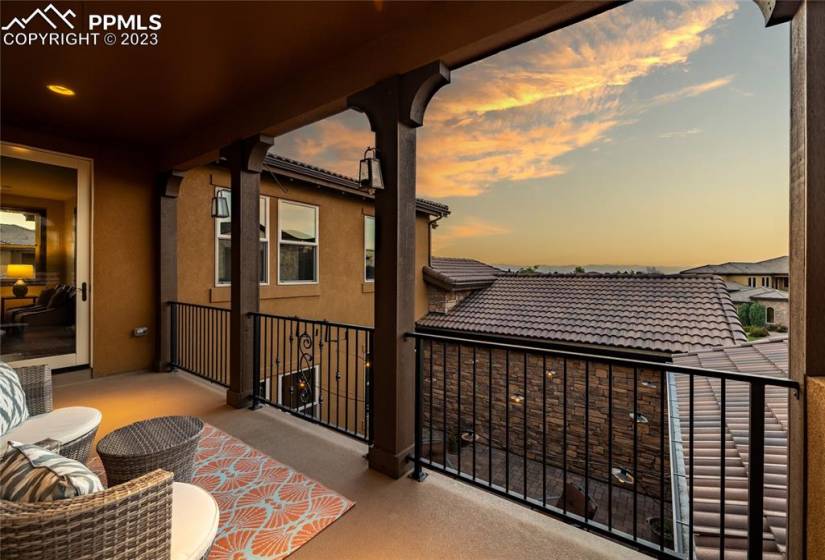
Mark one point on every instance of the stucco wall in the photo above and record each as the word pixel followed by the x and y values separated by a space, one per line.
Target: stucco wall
pixel 341 294
pixel 123 291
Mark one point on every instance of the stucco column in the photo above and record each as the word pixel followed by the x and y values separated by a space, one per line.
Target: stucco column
pixel 168 190
pixel 245 159
pixel 395 108
pixel 806 516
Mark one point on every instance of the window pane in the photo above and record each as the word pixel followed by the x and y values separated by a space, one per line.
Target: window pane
pixel 297 223
pixel 297 263
pixel 369 248
pixel 225 224
pixel 225 261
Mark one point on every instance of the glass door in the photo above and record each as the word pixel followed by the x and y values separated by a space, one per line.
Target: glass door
pixel 45 290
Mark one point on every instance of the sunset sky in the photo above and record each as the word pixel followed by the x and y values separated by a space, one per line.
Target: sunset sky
pixel 654 134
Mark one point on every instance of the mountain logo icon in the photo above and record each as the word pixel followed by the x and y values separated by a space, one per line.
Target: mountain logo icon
pixel 50 14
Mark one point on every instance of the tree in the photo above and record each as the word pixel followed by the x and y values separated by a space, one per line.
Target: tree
pixel 744 314
pixel 757 315
pixel 579 270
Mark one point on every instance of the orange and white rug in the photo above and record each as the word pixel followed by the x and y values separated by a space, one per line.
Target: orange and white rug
pixel 268 510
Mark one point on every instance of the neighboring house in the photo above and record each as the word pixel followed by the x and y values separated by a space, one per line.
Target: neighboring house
pixel 777 307
pixel 647 317
pixel 317 243
pixel 770 358
pixel 770 273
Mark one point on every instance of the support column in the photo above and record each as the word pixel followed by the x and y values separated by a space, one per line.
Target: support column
pixel 168 190
pixel 395 108
pixel 245 159
pixel 806 507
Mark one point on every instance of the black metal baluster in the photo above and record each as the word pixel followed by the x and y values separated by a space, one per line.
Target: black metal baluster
pixel 524 425
pixel 635 452
pixel 370 389
pixel 458 416
pixel 490 418
pixel 690 475
pixel 474 413
pixel 507 421
pixel 419 379
pixel 337 376
pixel 356 405
pixel 610 447
pixel 756 470
pixel 662 406
pixel 431 419
pixel 444 402
pixel 256 359
pixel 586 439
pixel 564 437
pixel 544 430
pixel 329 374
pixel 346 383
pixel 722 468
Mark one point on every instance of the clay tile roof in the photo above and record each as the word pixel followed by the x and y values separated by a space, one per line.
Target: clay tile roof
pixel 769 358
pixel 659 313
pixel 326 177
pixel 748 294
pixel 778 265
pixel 460 274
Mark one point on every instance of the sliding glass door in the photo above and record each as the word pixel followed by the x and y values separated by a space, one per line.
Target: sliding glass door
pixel 45 289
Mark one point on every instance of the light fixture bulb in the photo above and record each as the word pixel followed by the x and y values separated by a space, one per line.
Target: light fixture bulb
pixel 60 90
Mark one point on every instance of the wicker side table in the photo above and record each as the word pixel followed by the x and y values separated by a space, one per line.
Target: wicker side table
pixel 168 443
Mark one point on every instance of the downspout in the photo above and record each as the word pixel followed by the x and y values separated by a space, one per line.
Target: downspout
pixel 678 477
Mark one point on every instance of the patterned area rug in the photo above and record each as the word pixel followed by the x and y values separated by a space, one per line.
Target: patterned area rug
pixel 268 510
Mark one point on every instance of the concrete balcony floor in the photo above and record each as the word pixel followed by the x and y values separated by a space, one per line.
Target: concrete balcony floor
pixel 439 518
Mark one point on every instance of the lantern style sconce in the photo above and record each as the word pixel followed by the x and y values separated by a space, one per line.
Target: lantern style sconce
pixel 551 374
pixel 369 172
pixel 220 205
pixel 517 399
pixel 639 418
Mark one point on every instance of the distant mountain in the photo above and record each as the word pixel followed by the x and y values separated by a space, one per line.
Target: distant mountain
pixel 602 268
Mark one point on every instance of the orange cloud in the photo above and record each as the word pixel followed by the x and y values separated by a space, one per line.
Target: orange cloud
pixel 513 116
pixel 470 227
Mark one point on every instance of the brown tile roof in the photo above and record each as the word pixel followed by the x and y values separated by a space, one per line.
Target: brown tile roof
pixel 665 314
pixel 777 265
pixel 749 294
pixel 460 274
pixel 332 179
pixel 769 358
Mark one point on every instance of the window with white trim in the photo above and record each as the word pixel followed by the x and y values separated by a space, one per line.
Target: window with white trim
pixel 297 243
pixel 223 242
pixel 369 248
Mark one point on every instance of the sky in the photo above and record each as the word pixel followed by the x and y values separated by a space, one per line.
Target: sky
pixel 654 134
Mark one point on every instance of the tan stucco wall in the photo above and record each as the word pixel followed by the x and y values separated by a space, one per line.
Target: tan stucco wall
pixel 740 279
pixel 341 295
pixel 123 291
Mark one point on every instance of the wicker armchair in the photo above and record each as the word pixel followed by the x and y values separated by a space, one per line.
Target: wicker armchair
pixel 131 521
pixel 37 385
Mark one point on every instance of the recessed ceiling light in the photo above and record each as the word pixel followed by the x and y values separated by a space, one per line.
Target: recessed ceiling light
pixel 60 90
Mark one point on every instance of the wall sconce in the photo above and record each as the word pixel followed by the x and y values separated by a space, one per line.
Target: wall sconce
pixel 516 399
pixel 648 384
pixel 551 374
pixel 369 171
pixel 220 206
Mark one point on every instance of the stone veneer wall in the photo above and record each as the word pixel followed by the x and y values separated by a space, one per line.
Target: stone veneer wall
pixel 491 421
pixel 442 301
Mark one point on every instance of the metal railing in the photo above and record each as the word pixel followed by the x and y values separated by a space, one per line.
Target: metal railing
pixel 589 439
pixel 316 370
pixel 200 340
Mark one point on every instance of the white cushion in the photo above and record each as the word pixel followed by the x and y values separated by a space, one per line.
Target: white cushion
pixel 194 521
pixel 62 424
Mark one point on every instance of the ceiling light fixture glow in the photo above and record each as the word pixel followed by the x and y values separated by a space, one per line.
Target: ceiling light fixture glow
pixel 60 90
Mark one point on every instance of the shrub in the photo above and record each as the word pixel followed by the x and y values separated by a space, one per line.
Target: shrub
pixel 757 314
pixel 758 332
pixel 781 328
pixel 744 314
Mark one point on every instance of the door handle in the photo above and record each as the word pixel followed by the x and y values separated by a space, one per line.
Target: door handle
pixel 83 291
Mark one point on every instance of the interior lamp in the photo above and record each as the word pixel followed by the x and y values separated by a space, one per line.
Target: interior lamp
pixel 369 171
pixel 21 272
pixel 220 206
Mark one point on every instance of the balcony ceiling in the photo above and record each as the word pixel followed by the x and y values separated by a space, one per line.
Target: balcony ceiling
pixel 223 71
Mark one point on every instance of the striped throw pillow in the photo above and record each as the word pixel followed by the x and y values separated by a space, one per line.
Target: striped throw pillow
pixel 29 473
pixel 13 411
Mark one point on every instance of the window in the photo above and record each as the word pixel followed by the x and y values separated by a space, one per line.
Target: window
pixel 223 243
pixel 770 313
pixel 299 390
pixel 751 282
pixel 297 243
pixel 22 239
pixel 766 281
pixel 369 248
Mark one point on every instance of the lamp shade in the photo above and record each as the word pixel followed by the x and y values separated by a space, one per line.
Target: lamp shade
pixel 24 271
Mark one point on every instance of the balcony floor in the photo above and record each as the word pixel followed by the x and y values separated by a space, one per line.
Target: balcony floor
pixel 439 518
